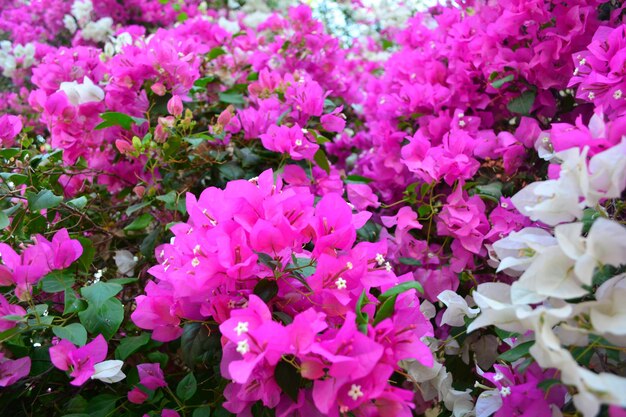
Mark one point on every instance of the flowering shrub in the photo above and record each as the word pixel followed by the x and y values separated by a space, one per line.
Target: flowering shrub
pixel 230 209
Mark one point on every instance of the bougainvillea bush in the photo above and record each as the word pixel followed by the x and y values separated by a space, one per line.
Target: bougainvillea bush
pixel 246 208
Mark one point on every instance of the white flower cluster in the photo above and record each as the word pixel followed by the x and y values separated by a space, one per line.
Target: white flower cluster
pixel 12 57
pixel 80 17
pixel 554 296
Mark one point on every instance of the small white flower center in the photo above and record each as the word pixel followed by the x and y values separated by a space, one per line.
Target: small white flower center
pixel 195 262
pixel 242 327
pixel 617 94
pixel 355 392
pixel 388 266
pixel 341 283
pixel 243 347
pixel 298 142
pixel 380 259
pixel 591 96
pixel 349 265
pixel 505 391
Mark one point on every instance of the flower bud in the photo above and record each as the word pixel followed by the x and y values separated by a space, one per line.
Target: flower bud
pixel 175 106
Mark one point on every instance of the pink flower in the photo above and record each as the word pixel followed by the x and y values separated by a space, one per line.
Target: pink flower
pixel 10 126
pixel 464 220
pixel 8 309
pixel 175 106
pixel 151 375
pixel 79 361
pixel 13 370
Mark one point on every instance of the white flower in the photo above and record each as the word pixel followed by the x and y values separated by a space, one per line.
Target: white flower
pixel 27 53
pixel 608 315
pixel 228 25
pixel 551 202
pixel 496 308
pixel 605 245
pixel 98 31
pixel 81 9
pixel 109 371
pixel 488 403
pixel 607 174
pixel 70 23
pixel 456 310
pixel 125 262
pixel 86 92
pixel 518 249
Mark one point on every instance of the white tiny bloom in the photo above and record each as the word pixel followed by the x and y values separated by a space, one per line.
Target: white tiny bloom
pixel 195 262
pixel 591 95
pixel 243 347
pixel 341 283
pixel 380 259
pixel 11 185
pixel 617 94
pixel 505 391
pixel 98 31
pixel 228 25
pixel 98 274
pixel 109 371
pixel 70 23
pixel 388 267
pixel 242 327
pixel 196 249
pixel 582 61
pixel 355 392
pixel 85 92
pixel 462 123
pixel 349 265
pixel 125 262
pixel 298 142
pixel 36 344
pixel 456 310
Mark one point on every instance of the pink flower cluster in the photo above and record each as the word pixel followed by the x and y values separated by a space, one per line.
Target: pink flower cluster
pixel 24 270
pixel 253 236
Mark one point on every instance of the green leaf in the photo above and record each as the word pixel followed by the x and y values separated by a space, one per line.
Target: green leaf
pixel 232 98
pixel 114 118
pixel 215 52
pixel 140 223
pixel 74 332
pixel 522 104
pixel 4 220
pixel 89 252
pixel 492 191
pixel 104 319
pixel 500 82
pixel 78 203
pixel 186 387
pixel 182 16
pixel 98 293
pixel 57 281
pixel 385 310
pixel 288 379
pixel 136 207
pixel 357 179
pixel 546 384
pixel 203 82
pixel 517 352
pixel 410 261
pixel 321 160
pixel 424 210
pixel 130 345
pixel 362 319
pixel 400 288
pixel 73 304
pixel 44 199
pixel 194 343
pixel 202 412
pixel 102 405
pixel 266 289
